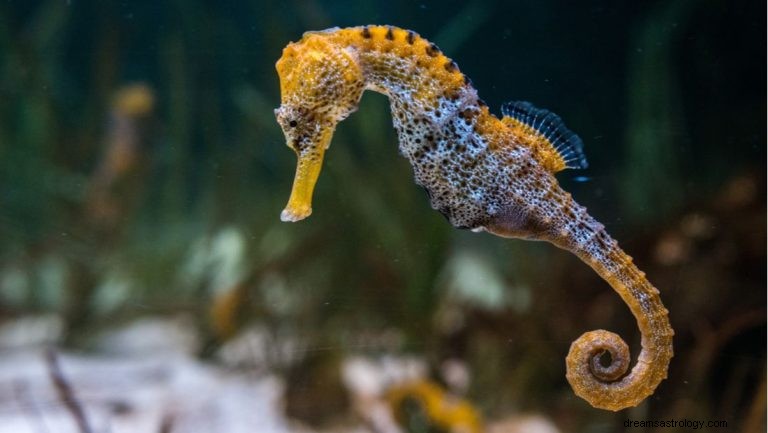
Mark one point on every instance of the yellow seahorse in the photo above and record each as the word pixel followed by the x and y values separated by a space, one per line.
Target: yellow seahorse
pixel 481 172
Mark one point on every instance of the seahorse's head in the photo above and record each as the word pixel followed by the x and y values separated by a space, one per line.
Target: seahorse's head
pixel 321 84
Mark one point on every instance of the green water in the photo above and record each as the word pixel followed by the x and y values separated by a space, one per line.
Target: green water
pixel 108 216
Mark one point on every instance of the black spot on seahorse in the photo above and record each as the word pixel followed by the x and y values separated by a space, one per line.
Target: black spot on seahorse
pixel 366 32
pixel 451 66
pixel 410 37
pixel 432 50
pixel 389 35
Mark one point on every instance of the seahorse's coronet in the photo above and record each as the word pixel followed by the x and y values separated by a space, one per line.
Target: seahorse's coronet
pixel 481 172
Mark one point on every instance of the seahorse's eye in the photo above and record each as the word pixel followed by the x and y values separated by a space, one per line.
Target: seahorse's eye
pixel 292 123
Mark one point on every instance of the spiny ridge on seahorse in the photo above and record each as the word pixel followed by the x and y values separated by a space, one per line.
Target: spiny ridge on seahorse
pixel 483 173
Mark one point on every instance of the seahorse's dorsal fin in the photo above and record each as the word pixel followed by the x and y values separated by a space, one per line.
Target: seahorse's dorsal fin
pixel 558 147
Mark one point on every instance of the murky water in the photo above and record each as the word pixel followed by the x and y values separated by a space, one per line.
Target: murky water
pixel 147 282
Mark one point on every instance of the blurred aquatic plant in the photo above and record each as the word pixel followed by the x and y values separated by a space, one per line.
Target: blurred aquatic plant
pixel 471 280
pixel 30 127
pixel 424 406
pixel 459 29
pixel 114 191
pixel 114 187
pixel 652 185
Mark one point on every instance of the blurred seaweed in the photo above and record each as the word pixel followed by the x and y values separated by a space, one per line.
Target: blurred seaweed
pixel 142 175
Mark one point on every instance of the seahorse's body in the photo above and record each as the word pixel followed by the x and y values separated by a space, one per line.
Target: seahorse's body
pixel 481 172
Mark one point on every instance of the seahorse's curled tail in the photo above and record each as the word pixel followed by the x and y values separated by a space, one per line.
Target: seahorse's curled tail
pixel 596 366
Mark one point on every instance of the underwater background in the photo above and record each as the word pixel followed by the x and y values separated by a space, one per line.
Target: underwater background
pixel 142 174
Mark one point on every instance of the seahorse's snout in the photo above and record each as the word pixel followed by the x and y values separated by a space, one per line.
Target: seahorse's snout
pixel 307 171
pixel 308 135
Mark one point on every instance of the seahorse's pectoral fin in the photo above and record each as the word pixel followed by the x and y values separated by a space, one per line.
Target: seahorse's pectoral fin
pixel 299 206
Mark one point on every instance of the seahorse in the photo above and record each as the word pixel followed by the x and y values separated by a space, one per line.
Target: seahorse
pixel 481 172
